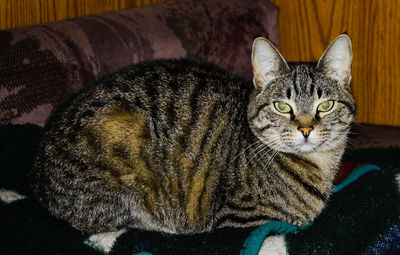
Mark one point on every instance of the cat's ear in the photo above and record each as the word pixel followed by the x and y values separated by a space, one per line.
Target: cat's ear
pixel 336 60
pixel 267 62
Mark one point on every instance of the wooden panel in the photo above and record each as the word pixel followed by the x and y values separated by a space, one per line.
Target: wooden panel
pixel 18 13
pixel 307 27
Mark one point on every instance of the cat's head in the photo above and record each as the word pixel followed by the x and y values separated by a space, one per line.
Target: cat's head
pixel 301 108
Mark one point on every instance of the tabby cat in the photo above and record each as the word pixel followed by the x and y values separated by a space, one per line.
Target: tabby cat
pixel 179 146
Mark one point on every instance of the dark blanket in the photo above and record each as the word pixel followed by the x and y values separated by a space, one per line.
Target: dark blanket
pixel 361 218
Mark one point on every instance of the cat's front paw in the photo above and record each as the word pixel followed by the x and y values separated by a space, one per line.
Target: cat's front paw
pixel 300 222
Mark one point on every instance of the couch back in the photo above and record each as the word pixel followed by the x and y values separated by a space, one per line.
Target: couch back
pixel 42 65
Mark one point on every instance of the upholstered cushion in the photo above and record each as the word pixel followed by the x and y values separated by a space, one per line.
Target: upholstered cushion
pixel 40 66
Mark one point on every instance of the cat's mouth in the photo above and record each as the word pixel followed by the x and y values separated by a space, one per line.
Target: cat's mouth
pixel 306 146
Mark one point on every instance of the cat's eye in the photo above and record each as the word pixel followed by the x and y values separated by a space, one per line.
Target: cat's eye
pixel 282 107
pixel 325 106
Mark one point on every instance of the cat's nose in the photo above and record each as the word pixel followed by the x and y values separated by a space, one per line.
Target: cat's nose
pixel 305 130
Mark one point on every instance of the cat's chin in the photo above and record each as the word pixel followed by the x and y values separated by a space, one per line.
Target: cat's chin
pixel 306 147
pixel 300 148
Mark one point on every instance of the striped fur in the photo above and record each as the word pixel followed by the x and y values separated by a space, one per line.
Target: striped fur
pixel 183 147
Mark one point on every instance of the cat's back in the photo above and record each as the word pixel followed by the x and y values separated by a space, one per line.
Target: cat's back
pixel 164 90
pixel 159 83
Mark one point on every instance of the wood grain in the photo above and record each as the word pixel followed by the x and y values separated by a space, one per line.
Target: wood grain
pixel 18 13
pixel 308 26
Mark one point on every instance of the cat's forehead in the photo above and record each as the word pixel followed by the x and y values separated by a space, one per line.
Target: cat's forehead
pixel 297 82
pixel 302 80
pixel 303 86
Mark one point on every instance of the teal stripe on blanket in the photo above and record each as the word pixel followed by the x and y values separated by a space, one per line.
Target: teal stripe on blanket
pixel 254 241
pixel 355 174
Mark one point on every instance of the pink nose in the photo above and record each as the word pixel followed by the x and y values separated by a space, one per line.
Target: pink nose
pixel 306 130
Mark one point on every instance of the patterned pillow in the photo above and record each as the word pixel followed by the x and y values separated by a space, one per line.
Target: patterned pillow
pixel 40 66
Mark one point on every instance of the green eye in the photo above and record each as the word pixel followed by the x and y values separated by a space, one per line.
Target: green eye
pixel 325 106
pixel 282 107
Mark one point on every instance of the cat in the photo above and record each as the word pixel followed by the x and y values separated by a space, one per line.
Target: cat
pixel 180 146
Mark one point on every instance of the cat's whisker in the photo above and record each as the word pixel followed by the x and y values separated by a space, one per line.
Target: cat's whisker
pixel 256 143
pixel 358 124
pixel 274 143
pixel 353 142
pixel 351 133
pixel 255 153
pixel 272 157
pixel 350 140
pixel 278 147
pixel 260 157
